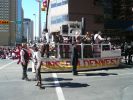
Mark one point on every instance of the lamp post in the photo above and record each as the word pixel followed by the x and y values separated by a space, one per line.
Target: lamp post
pixel 46 24
pixel 27 32
pixel 39 1
pixel 35 27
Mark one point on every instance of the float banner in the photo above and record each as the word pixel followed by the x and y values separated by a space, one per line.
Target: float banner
pixel 83 64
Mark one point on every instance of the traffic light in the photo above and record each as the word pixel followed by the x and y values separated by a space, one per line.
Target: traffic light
pixel 4 22
pixel 44 5
pixel 43 9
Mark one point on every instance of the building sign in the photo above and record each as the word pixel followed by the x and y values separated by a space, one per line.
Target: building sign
pixel 4 22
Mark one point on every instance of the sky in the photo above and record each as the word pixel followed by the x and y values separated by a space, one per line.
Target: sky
pixel 31 7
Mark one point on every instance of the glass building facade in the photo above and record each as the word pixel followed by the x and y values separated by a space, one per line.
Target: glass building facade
pixel 19 25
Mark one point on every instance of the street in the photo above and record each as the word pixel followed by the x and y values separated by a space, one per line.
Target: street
pixel 109 84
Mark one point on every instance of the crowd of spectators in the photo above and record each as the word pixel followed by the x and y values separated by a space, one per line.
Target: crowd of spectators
pixel 9 52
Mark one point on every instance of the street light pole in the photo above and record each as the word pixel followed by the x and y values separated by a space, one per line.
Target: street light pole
pixel 46 26
pixel 35 27
pixel 27 32
pixel 39 1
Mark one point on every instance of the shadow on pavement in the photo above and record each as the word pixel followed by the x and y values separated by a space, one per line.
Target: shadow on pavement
pixel 67 85
pixel 51 79
pixel 124 65
pixel 96 74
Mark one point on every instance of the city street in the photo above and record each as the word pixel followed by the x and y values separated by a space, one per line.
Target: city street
pixel 109 84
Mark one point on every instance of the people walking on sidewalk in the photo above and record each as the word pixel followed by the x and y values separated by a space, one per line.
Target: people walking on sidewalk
pixel 24 61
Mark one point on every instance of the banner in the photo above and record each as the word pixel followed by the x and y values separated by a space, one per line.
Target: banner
pixel 83 64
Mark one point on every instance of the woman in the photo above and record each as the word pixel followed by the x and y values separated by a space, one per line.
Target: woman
pixel 38 56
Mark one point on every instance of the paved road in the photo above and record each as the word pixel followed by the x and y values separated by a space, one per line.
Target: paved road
pixel 112 84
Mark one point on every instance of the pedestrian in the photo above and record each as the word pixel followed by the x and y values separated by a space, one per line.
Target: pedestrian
pixel 18 49
pixel 39 57
pixel 24 61
pixel 126 52
pixel 74 59
pixel 34 61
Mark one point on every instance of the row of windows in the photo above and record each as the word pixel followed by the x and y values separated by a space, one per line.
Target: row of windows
pixel 4 28
pixel 4 17
pixel 56 3
pixel 4 4
pixel 4 7
pixel 4 11
pixel 59 19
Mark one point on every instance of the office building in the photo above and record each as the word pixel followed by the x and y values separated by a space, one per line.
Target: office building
pixel 61 11
pixel 27 30
pixel 19 22
pixel 119 18
pixel 8 12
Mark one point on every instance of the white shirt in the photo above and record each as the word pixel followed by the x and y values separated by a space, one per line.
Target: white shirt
pixel 38 56
pixel 47 37
pixel 98 38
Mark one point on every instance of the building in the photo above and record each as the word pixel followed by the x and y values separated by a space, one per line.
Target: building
pixel 122 9
pixel 61 11
pixel 27 30
pixel 119 20
pixel 19 22
pixel 8 12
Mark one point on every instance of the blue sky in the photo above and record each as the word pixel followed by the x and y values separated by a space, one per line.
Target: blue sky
pixel 31 7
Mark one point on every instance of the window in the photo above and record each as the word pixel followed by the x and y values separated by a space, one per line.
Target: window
pixel 59 19
pixel 64 2
pixel 53 4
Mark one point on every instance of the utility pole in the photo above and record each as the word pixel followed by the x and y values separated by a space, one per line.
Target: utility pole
pixel 27 31
pixel 35 27
pixel 39 1
pixel 46 27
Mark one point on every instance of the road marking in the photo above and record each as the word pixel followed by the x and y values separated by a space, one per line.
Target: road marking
pixel 58 88
pixel 7 81
pixel 6 65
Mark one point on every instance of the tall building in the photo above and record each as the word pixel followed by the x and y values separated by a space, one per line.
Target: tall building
pixel 8 12
pixel 122 9
pixel 61 11
pixel 19 22
pixel 27 30
pixel 119 18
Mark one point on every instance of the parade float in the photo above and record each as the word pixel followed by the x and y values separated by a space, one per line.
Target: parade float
pixel 91 56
